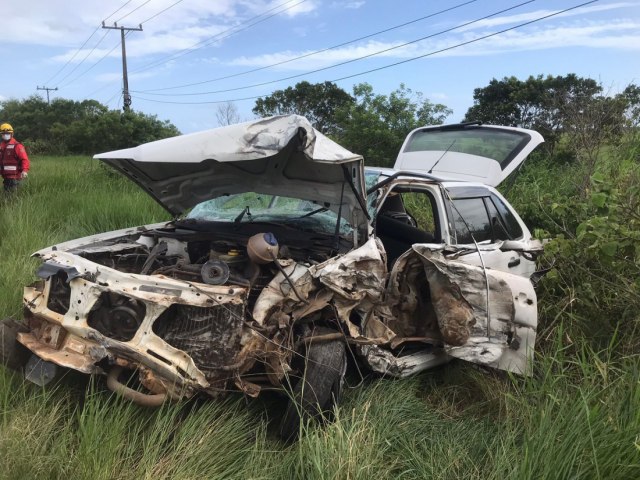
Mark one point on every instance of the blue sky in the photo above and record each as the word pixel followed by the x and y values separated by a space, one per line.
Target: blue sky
pixel 60 44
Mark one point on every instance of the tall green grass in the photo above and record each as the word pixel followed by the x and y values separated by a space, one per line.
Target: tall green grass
pixel 62 199
pixel 577 417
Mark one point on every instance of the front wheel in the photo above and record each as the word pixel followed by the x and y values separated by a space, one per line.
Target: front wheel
pixel 316 393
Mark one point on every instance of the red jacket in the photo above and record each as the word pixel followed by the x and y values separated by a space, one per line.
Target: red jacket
pixel 13 159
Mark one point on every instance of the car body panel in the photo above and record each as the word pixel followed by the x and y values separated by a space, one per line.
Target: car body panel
pixel 470 152
pixel 269 156
pixel 196 310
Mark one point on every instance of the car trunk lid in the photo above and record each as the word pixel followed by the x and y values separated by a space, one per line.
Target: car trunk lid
pixel 469 151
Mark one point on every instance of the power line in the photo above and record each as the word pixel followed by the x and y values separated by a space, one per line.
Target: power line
pixel 132 11
pixel 346 61
pixel 48 90
pixel 161 11
pixel 126 97
pixel 144 21
pixel 434 52
pixel 92 66
pixel 85 42
pixel 99 42
pixel 81 61
pixel 202 41
pixel 208 41
pixel 107 18
pixel 317 51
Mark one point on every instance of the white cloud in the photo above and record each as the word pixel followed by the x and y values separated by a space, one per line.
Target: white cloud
pixel 68 24
pixel 320 59
pixel 117 76
pixel 351 5
pixel 301 7
pixel 621 35
pixel 526 17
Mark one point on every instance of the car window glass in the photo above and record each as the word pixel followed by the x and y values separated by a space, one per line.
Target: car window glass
pixel 304 214
pixel 371 179
pixel 470 217
pixel 513 227
pixel 499 229
pixel 497 144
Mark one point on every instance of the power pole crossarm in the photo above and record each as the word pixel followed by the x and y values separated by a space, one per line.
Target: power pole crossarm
pixel 126 97
pixel 48 90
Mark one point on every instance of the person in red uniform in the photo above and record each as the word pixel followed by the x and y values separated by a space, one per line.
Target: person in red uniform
pixel 14 162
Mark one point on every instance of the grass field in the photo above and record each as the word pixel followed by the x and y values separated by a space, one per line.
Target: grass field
pixel 577 417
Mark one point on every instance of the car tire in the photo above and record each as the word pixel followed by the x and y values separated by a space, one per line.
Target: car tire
pixel 13 354
pixel 316 393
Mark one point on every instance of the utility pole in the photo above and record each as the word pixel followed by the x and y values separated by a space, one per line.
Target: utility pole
pixel 126 97
pixel 48 90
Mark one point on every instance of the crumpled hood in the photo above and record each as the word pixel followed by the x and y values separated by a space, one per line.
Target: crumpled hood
pixel 282 155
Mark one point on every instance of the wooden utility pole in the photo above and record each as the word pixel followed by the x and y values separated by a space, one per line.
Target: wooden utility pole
pixel 48 90
pixel 126 97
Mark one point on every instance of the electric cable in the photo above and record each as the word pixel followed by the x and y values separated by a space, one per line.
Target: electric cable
pixel 434 52
pixel 208 41
pixel 298 75
pixel 95 63
pixel 100 41
pixel 316 52
pixel 81 61
pixel 83 45
pixel 161 12
pixel 132 11
pixel 185 51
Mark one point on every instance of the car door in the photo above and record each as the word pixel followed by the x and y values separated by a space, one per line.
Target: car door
pixel 437 288
pixel 480 218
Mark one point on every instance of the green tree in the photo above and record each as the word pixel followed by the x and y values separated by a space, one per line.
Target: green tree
pixel 539 103
pixel 318 102
pixel 68 126
pixel 376 125
pixel 631 98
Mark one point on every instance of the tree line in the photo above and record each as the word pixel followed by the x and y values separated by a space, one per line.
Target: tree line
pixel 574 114
pixel 87 127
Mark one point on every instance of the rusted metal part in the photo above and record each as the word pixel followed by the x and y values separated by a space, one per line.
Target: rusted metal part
pixel 144 399
pixel 65 357
pixel 455 315
pixel 248 388
pixel 411 312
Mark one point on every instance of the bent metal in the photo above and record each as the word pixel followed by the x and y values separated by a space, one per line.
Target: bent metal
pixel 277 262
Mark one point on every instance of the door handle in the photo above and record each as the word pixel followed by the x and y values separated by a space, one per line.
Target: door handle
pixel 514 262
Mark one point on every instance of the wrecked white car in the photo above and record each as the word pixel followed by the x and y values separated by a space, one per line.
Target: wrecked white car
pixel 284 255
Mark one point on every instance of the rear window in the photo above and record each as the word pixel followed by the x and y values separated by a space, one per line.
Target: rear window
pixel 499 145
pixel 484 218
pixel 471 220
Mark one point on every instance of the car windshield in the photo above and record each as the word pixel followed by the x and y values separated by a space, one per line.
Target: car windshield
pixel 258 207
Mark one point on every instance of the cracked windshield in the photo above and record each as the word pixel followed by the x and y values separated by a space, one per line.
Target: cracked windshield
pixel 258 207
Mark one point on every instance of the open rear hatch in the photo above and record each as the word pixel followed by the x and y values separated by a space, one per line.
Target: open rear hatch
pixel 468 151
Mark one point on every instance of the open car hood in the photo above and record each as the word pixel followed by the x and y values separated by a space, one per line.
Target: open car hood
pixel 282 155
pixel 468 151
